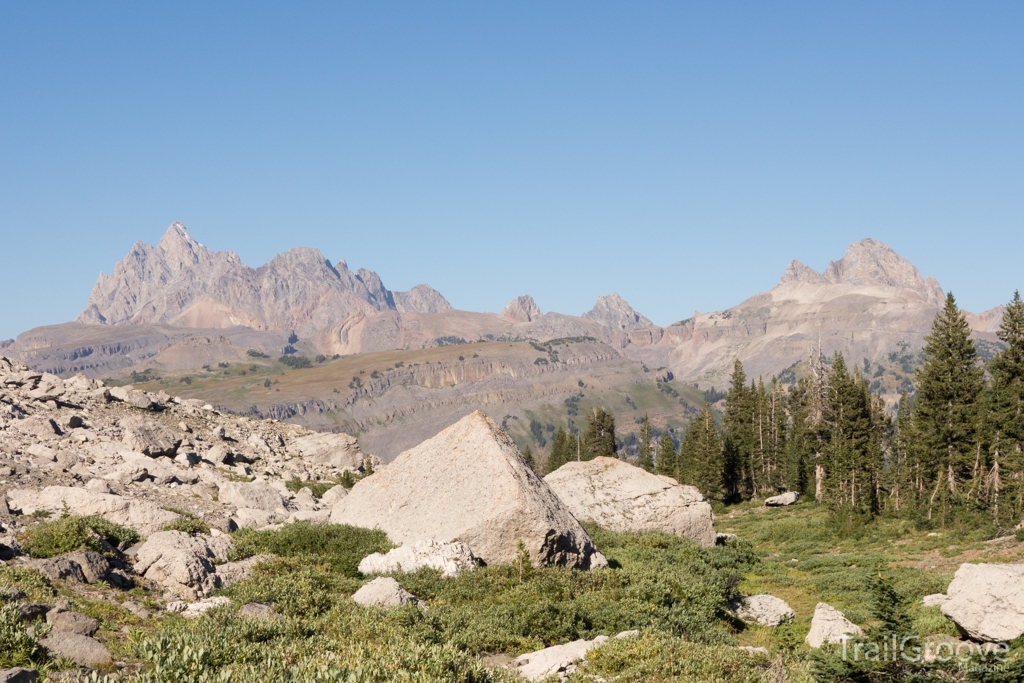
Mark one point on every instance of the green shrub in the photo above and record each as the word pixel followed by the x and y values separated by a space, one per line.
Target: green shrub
pixel 71 533
pixel 186 522
pixel 341 547
pixel 33 584
pixel 17 647
pixel 319 488
pixel 296 362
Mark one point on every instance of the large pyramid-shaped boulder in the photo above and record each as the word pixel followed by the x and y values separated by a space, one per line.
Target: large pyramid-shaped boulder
pixel 622 497
pixel 469 483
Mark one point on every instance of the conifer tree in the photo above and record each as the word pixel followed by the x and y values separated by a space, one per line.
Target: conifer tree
pixel 738 437
pixel 646 460
pixel 702 457
pixel 599 439
pixel 946 412
pixel 668 462
pixel 528 457
pixel 1003 486
pixel 559 451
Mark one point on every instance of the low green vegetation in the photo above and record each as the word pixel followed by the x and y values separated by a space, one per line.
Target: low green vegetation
pixel 186 522
pixel 319 488
pixel 70 533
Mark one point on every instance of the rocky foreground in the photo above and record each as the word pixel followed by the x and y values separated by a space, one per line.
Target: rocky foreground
pixel 180 476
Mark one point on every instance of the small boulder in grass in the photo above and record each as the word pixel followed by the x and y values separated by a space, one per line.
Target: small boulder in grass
pixel 384 592
pixel 787 498
pixel 829 625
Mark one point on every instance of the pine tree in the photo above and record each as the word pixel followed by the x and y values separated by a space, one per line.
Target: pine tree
pixel 559 451
pixel 599 439
pixel 668 462
pixel 528 457
pixel 738 437
pixel 946 412
pixel 645 460
pixel 702 457
pixel 1004 484
pixel 905 471
pixel 799 438
pixel 850 482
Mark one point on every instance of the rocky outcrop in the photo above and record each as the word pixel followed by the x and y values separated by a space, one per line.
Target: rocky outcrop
pixel 986 601
pixel 787 498
pixel 615 312
pixel 451 559
pixel 622 497
pixel 522 309
pixel 141 515
pixel 559 660
pixel 150 438
pixel 81 650
pixel 469 483
pixel 766 610
pixel 829 625
pixel 337 450
pixel 181 563
pixel 384 592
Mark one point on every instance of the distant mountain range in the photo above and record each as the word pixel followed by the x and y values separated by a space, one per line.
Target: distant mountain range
pixel 868 304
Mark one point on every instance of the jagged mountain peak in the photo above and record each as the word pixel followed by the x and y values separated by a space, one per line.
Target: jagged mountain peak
pixel 522 309
pixel 615 312
pixel 421 299
pixel 866 264
pixel 798 273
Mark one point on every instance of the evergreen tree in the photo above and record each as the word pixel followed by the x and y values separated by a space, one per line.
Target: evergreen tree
pixel 799 438
pixel 1003 486
pixel 946 412
pixel 905 482
pixel 559 451
pixel 645 460
pixel 668 462
pixel 738 437
pixel 528 457
pixel 850 473
pixel 599 439
pixel 702 457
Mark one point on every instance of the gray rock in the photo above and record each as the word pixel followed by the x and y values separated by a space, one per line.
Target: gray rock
pixel 81 650
pixel 829 625
pixel 94 566
pixel 256 495
pixel 181 563
pixel 232 572
pixel 42 427
pixel 558 660
pixel 622 497
pixel 337 450
pixel 788 498
pixel 196 609
pixel 451 559
pixel 219 454
pixel 150 438
pixel 132 397
pixel 257 610
pixel 59 569
pixel 766 610
pixel 72 622
pixel 760 651
pixel 333 495
pixel 934 600
pixel 33 610
pixel 469 483
pixel 384 592
pixel 18 675
pixel 986 601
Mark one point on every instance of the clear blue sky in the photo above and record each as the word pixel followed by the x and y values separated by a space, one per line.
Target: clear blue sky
pixel 680 154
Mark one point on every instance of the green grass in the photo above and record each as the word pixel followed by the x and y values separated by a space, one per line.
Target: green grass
pixel 69 533
pixel 319 488
pixel 339 547
pixel 186 522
